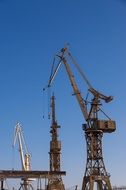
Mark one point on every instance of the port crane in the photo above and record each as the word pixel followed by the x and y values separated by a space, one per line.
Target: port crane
pixel 24 155
pixel 94 127
pixel 56 182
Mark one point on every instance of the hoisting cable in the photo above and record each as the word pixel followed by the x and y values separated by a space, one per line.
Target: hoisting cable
pixel 13 157
pixel 51 71
pixel 48 101
pixel 51 78
pixel 53 74
pixel 48 87
pixel 104 113
pixel 80 71
pixel 49 96
pixel 91 89
pixel 43 102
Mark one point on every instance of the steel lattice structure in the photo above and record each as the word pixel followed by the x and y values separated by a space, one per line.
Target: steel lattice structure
pixel 55 182
pixel 95 168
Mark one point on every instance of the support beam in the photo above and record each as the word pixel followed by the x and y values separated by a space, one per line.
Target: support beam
pixel 4 174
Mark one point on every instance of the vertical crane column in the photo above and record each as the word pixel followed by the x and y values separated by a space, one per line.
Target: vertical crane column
pixel 95 172
pixel 55 150
pixel 95 168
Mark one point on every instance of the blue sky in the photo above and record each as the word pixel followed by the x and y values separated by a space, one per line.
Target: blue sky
pixel 31 33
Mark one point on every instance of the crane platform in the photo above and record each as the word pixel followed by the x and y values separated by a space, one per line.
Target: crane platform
pixel 4 174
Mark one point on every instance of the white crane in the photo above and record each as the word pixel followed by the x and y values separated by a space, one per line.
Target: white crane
pixel 24 155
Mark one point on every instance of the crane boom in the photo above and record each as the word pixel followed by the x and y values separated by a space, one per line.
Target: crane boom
pixel 92 115
pixel 76 90
pixel 73 83
pixel 25 158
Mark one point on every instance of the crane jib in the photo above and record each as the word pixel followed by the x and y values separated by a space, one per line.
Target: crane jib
pixel 94 104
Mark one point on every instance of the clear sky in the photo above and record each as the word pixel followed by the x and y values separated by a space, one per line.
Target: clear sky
pixel 31 33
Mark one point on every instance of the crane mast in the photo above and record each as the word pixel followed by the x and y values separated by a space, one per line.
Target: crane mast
pixel 94 127
pixel 55 144
pixel 56 182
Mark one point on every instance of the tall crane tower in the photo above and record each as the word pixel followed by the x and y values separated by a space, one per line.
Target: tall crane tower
pixel 94 127
pixel 56 182
pixel 24 155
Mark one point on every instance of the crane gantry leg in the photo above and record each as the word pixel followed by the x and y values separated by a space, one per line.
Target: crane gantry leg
pixel 95 169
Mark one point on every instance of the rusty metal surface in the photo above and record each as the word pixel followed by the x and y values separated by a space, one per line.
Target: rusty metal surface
pixel 29 174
